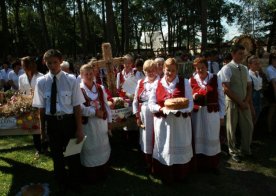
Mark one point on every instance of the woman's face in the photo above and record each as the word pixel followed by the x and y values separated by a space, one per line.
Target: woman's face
pixel 128 64
pixel 151 74
pixel 201 70
pixel 255 65
pixel 87 76
pixel 160 67
pixel 170 72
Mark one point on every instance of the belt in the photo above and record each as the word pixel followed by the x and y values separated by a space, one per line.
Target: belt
pixel 177 114
pixel 59 117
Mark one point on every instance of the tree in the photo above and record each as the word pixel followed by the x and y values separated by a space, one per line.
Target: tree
pixel 5 35
pixel 82 27
pixel 43 25
pixel 203 6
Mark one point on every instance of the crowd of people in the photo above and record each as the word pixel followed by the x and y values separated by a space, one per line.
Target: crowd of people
pixel 174 142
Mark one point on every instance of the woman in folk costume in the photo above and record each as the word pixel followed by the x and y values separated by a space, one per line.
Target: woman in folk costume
pixel 172 151
pixel 144 117
pixel 96 117
pixel 207 116
pixel 123 75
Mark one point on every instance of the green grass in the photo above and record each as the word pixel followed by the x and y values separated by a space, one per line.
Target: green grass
pixel 127 176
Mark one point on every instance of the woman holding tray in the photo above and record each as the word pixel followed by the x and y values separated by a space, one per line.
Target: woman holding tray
pixel 96 117
pixel 144 117
pixel 172 151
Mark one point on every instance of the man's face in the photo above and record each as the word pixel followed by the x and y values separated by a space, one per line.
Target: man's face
pixel 53 64
pixel 238 56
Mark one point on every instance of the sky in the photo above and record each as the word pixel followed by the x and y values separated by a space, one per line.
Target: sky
pixel 233 30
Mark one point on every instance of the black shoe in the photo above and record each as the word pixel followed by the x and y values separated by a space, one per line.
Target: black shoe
pixel 236 158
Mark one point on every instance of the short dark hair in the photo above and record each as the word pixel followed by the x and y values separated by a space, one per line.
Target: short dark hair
pixel 235 48
pixel 139 62
pixel 15 63
pixel 52 53
pixel 272 56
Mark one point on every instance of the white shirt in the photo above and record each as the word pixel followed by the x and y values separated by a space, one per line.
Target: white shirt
pixel 271 72
pixel 68 93
pixel 214 65
pixel 27 86
pixel 5 74
pixel 148 88
pixel 14 77
pixel 139 75
pixel 256 79
pixel 225 73
pixel 125 75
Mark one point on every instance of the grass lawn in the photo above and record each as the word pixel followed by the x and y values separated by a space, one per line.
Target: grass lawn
pixel 256 176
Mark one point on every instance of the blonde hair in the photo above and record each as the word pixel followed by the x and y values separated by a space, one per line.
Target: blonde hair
pixel 170 61
pixel 149 64
pixel 86 67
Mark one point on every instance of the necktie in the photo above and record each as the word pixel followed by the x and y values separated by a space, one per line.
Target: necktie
pixel 53 108
pixel 211 67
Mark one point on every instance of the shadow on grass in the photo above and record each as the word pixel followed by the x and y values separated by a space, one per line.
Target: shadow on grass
pixel 11 149
pixel 248 183
pixel 23 174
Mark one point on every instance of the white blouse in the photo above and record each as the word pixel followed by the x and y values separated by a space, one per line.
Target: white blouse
pixel 256 79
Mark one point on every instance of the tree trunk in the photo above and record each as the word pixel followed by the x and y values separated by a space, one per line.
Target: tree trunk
pixel 18 32
pixel 272 34
pixel 110 24
pixel 125 27
pixel 82 28
pixel 169 29
pixel 203 9
pixel 104 21
pixel 87 23
pixel 163 38
pixel 5 32
pixel 45 35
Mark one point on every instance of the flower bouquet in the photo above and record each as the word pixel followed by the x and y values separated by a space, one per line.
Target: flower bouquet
pixel 17 112
pixel 120 108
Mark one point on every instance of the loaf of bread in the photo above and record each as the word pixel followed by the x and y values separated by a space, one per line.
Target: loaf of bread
pixel 176 103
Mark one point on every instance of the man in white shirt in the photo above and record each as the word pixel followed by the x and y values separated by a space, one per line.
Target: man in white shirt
pixel 213 66
pixel 237 87
pixel 58 97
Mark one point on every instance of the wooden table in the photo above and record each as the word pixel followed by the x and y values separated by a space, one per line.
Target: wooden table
pixel 19 131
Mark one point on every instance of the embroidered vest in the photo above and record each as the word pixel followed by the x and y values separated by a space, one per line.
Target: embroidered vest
pixel 211 98
pixel 162 94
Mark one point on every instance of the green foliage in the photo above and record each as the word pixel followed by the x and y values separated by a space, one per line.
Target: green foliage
pixel 182 18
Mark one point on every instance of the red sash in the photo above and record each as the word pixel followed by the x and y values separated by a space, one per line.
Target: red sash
pixel 100 98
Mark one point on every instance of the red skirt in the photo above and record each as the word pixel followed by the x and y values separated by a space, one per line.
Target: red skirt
pixel 169 174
